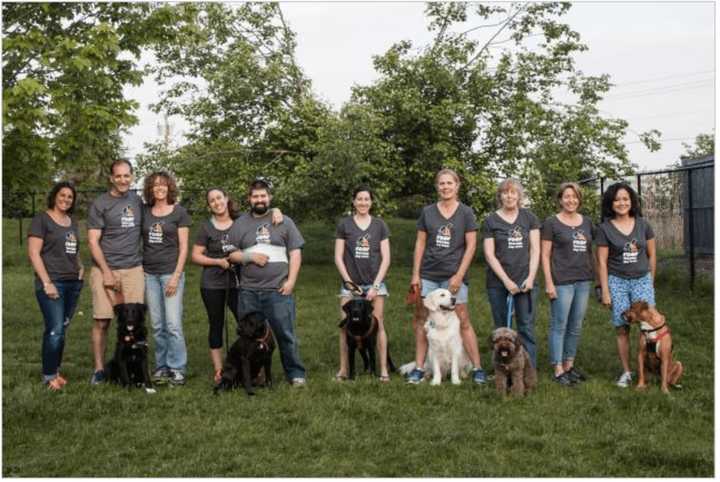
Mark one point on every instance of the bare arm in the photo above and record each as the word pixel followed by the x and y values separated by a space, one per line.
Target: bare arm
pixel 420 242
pixel 109 279
pixel 35 245
pixel 183 233
pixel 382 271
pixel 339 263
pixel 198 257
pixel 534 258
pixel 652 257
pixel 494 264
pixel 602 269
pixel 546 248
pixel 293 271
pixel 470 247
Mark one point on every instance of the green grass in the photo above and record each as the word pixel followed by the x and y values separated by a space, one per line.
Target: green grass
pixel 361 428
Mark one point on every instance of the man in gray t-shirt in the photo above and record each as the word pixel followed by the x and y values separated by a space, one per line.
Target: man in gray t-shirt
pixel 114 236
pixel 268 288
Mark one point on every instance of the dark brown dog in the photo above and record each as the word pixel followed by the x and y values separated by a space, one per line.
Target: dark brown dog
pixel 655 346
pixel 513 369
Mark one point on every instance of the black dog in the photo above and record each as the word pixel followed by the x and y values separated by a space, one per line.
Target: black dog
pixel 250 353
pixel 361 335
pixel 129 366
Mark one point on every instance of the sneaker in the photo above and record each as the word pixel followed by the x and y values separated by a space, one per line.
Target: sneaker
pixel 297 382
pixel 161 376
pixel 564 379
pixel 416 376
pixel 176 377
pixel 478 376
pixel 97 378
pixel 624 380
pixel 576 375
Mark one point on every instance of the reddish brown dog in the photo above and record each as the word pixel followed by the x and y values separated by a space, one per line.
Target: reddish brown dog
pixel 655 352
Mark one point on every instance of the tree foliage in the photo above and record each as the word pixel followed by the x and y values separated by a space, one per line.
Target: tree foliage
pixel 704 146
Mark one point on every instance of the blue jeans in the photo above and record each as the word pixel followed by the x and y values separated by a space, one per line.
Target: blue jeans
pixel 57 314
pixel 166 317
pixel 280 311
pixel 525 311
pixel 566 317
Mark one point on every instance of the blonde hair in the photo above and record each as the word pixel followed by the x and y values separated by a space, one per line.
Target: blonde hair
pixel 449 172
pixel 570 185
pixel 506 185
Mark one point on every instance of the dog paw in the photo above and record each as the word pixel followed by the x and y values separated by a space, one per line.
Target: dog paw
pixel 456 382
pixel 150 390
pixel 434 382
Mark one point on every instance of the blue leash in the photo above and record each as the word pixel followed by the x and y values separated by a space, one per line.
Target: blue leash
pixel 510 301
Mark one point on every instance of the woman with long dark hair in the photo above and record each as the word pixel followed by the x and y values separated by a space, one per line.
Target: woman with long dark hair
pixel 53 249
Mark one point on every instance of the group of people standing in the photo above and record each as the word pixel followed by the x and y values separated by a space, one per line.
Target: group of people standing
pixel 251 262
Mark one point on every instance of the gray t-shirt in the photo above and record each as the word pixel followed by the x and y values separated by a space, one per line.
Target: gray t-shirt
pixel 217 245
pixel 120 219
pixel 260 235
pixel 362 256
pixel 512 245
pixel 627 255
pixel 59 252
pixel 445 246
pixel 571 259
pixel 161 244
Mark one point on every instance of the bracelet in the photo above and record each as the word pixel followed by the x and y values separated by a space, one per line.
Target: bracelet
pixel 376 286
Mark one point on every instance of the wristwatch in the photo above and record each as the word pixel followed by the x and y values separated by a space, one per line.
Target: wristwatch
pixel 376 286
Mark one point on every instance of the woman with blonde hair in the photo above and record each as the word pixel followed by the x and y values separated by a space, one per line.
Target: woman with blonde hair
pixel 444 249
pixel 512 252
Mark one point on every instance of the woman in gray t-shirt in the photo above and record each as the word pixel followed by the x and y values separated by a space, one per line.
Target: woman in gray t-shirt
pixel 444 249
pixel 568 266
pixel 362 256
pixel 512 251
pixel 53 249
pixel 626 263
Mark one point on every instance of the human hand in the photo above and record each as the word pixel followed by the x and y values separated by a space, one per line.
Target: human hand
pixel 512 287
pixel 277 216
pixel 454 284
pixel 110 281
pixel 223 263
pixel 371 294
pixel 550 291
pixel 606 300
pixel 259 259
pixel 171 287
pixel 287 288
pixel 51 290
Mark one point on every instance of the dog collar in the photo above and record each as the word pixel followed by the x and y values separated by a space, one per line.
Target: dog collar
pixel 654 329
pixel 263 340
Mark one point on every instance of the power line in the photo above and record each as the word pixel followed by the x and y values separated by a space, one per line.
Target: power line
pixel 662 88
pixel 662 141
pixel 666 91
pixel 654 79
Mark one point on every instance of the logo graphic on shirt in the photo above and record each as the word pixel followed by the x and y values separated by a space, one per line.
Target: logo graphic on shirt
pixel 226 245
pixel 362 247
pixel 155 236
pixel 444 236
pixel 515 238
pixel 262 234
pixel 127 220
pixel 579 241
pixel 630 252
pixel 70 243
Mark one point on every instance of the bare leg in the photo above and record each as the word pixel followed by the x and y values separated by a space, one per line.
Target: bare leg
pixel 378 307
pixel 343 371
pixel 99 342
pixel 421 343
pixel 468 335
pixel 217 358
pixel 623 346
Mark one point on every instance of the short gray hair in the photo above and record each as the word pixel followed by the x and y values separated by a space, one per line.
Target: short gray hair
pixel 507 184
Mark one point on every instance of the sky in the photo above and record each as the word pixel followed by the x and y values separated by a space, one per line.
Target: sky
pixel 660 55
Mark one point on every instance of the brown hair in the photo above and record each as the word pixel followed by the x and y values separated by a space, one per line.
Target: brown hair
pixel 507 184
pixel 117 162
pixel 449 172
pixel 150 182
pixel 570 185
pixel 233 211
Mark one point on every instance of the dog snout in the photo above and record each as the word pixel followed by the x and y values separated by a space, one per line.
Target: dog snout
pixel 452 300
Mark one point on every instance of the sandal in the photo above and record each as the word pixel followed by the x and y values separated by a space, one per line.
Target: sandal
pixel 384 378
pixel 341 378
pixel 218 376
pixel 54 385
pixel 61 379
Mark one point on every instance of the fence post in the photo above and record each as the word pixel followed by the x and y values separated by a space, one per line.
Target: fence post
pixel 602 191
pixel 691 228
pixel 639 190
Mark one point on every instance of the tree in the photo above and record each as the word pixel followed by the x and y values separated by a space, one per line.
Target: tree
pixel 65 66
pixel 704 146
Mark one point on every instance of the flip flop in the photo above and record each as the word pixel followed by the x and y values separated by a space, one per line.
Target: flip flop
pixel 54 385
pixel 62 379
pixel 341 378
pixel 384 378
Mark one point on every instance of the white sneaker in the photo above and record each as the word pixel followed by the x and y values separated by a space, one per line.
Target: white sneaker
pixel 625 380
pixel 297 382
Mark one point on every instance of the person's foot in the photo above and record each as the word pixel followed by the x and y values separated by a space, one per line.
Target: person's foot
pixel 478 376
pixel 161 376
pixel 98 377
pixel 339 377
pixel 218 376
pixel 177 377
pixel 576 375
pixel 298 382
pixel 54 385
pixel 62 379
pixel 416 376
pixel 624 380
pixel 564 380
pixel 384 378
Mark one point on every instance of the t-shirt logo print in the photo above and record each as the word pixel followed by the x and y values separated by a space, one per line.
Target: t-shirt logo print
pixel 127 220
pixel 155 236
pixel 362 247
pixel 630 252
pixel 226 245
pixel 515 238
pixel 579 241
pixel 70 243
pixel 444 236
pixel 262 234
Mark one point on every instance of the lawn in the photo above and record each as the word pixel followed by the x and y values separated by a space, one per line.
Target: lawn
pixel 362 428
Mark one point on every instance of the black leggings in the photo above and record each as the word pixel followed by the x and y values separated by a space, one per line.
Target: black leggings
pixel 215 302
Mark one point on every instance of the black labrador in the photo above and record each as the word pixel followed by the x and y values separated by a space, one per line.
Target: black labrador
pixel 129 365
pixel 251 353
pixel 361 332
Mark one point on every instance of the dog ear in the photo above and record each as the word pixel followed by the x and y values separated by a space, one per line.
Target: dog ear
pixel 430 302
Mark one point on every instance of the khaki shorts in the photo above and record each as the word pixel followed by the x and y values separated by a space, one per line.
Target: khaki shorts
pixel 132 287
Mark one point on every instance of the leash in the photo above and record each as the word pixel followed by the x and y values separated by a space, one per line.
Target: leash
pixel 226 303
pixel 509 303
